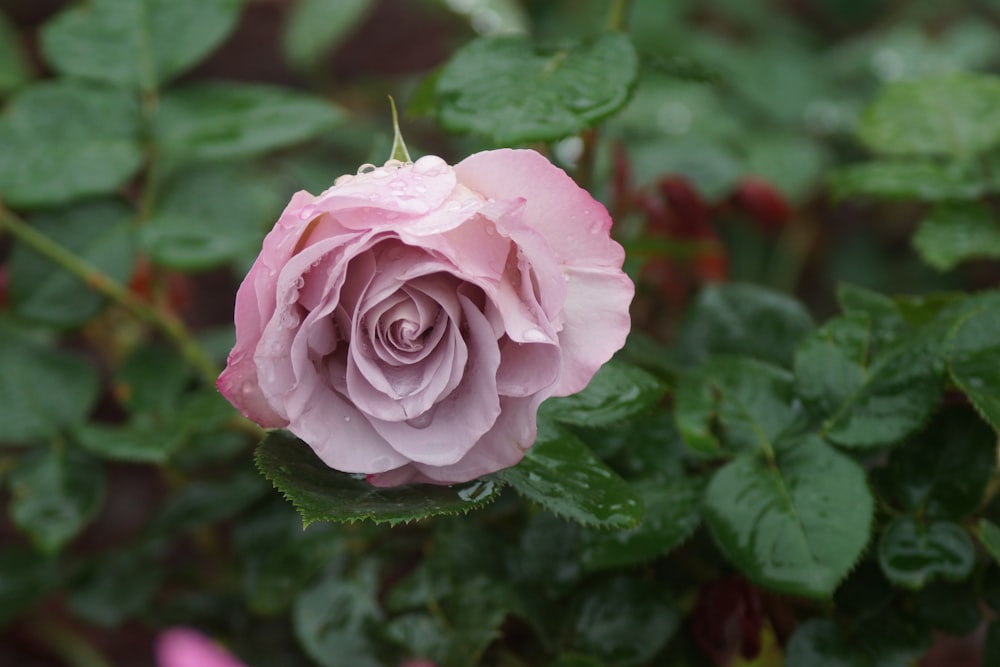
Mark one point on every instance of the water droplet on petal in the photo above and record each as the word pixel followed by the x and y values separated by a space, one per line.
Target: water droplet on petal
pixel 422 420
pixel 307 212
pixel 491 230
pixel 392 164
pixel 397 184
pixel 430 165
pixel 366 168
pixel 347 418
pixel 300 282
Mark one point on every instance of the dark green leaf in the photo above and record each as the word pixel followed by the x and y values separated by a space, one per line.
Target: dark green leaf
pixel 912 553
pixel 315 27
pixel 947 607
pixel 624 620
pixel 955 233
pixel 90 144
pixel 24 579
pixel 151 379
pixel 943 472
pixel 796 527
pixel 576 660
pixel 752 401
pixel 901 388
pixel 117 586
pixel 330 619
pixel 207 217
pixel 470 619
pixel 949 115
pixel 99 233
pixel 672 512
pixel 884 314
pixel 207 501
pixel 14 71
pixel 320 493
pixel 54 494
pixel 42 390
pixel 139 442
pixel 991 644
pixel 830 363
pixel 280 559
pixel 616 393
pixel 563 476
pixel 138 43
pixel 742 319
pixel 913 179
pixel 820 643
pixel 974 358
pixel 515 92
pixel 989 535
pixel 548 554
pixel 224 120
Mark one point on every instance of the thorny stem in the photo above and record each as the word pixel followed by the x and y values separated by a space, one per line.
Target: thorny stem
pixel 166 322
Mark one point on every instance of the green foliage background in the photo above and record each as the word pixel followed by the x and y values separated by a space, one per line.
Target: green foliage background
pixel 793 461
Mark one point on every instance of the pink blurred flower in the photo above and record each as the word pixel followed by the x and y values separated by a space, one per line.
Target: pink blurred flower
pixel 185 647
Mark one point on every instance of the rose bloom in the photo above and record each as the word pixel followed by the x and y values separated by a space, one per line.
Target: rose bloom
pixel 407 322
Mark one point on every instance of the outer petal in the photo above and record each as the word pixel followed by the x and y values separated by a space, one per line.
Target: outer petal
pixel 575 225
pixel 596 323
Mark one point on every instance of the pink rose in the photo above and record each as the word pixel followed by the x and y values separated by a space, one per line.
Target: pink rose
pixel 183 647
pixel 408 322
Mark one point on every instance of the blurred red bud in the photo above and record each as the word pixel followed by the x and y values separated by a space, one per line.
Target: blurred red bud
pixel 762 202
pixel 727 619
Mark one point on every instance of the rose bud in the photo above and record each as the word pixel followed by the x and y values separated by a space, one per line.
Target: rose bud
pixel 407 322
pixel 763 203
pixel 184 647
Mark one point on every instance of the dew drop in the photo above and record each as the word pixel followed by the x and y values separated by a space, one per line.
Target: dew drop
pixel 347 418
pixel 307 212
pixel 366 168
pixel 300 282
pixel 429 165
pixel 397 184
pixel 491 230
pixel 422 420
pixel 392 164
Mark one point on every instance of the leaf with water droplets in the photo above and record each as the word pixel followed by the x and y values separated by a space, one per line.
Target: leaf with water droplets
pixel 974 358
pixel 912 552
pixel 562 475
pixel 515 91
pixel 616 393
pixel 954 233
pixel 796 525
pixel 320 493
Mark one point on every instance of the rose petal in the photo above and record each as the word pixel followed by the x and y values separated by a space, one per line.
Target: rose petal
pixel 184 647
pixel 444 434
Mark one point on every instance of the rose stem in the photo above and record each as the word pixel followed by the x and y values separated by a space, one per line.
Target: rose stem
pixel 168 323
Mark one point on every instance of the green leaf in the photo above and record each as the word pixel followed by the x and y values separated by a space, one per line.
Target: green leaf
pixel 152 379
pixel 742 319
pixel 280 559
pixel 224 120
pixel 139 442
pixel 751 403
pixel 956 233
pixel 974 358
pixel 515 92
pixel 118 585
pixel 624 620
pixel 547 558
pixel 330 619
pixel 820 643
pixel 562 475
pixel 882 311
pixel 830 363
pixel 42 390
pixel 137 43
pixel 943 472
pixel 24 580
pixel 912 553
pixel 616 393
pixel 315 27
pixel 942 115
pixel 949 608
pixel 989 535
pixel 991 644
pixel 54 494
pixel 206 501
pixel 207 217
pixel 672 512
pixel 320 493
pixel 901 388
pixel 797 526
pixel 90 144
pixel 469 620
pixel 14 71
pixel 913 179
pixel 99 233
